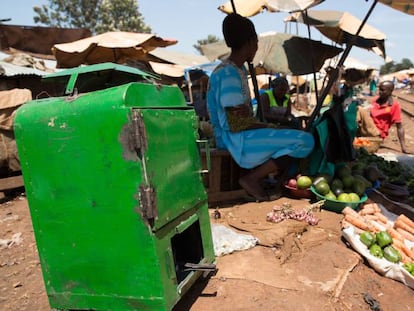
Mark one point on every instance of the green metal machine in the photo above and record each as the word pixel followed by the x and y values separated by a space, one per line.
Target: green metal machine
pixel 117 202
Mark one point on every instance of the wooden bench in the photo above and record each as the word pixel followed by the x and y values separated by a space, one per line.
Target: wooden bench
pixel 222 181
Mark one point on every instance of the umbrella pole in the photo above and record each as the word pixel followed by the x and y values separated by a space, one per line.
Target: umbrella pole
pixel 256 92
pixel 233 6
pixel 335 74
pixel 313 62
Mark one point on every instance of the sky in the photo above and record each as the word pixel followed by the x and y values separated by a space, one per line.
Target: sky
pixel 190 20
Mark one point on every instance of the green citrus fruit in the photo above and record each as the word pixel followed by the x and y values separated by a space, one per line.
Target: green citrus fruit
pixel 330 196
pixel 353 197
pixel 322 188
pixel 343 197
pixel 304 182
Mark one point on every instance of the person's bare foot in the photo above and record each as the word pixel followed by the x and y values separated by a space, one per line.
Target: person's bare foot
pixel 253 189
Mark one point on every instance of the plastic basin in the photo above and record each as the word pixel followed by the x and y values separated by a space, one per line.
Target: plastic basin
pixel 300 193
pixel 335 205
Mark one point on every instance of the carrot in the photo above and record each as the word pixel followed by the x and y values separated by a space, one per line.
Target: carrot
pixel 381 217
pixel 372 221
pixel 370 217
pixel 404 257
pixel 395 234
pixel 346 224
pixel 368 209
pixel 349 211
pixel 373 206
pixel 376 226
pixel 404 249
pixel 407 235
pixel 400 224
pixel 357 222
pixel 406 220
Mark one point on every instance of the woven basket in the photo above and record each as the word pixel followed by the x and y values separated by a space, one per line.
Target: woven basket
pixel 372 146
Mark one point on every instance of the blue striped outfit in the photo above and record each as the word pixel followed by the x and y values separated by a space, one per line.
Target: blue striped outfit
pixel 228 87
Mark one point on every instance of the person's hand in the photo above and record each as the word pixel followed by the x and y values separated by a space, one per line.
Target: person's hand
pixel 406 151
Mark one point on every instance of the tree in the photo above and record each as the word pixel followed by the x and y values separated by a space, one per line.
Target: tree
pixel 121 15
pixel 96 15
pixel 210 39
pixel 393 67
pixel 405 64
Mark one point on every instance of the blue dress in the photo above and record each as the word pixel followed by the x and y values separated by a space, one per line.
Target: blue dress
pixel 228 87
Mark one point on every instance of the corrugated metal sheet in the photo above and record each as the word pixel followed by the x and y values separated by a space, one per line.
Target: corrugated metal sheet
pixel 179 58
pixel 9 70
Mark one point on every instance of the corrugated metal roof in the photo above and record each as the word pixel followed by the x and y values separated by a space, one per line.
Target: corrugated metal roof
pixel 9 70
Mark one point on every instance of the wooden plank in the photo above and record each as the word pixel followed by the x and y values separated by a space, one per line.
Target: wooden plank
pixel 215 174
pixel 226 196
pixel 11 182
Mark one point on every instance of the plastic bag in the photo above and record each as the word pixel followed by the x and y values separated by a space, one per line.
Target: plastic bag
pixel 226 241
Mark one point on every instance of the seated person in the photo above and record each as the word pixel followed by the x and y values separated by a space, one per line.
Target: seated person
pixel 276 104
pixel 253 145
pixel 384 112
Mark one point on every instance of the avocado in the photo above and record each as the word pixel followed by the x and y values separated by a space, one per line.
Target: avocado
pixel 372 173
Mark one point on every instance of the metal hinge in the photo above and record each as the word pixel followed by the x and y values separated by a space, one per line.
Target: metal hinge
pixel 148 202
pixel 138 133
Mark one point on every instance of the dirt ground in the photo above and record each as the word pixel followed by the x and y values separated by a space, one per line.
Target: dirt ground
pixel 312 269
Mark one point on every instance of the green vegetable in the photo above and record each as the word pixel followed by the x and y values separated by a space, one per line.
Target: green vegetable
pixel 367 238
pixel 383 238
pixel 409 267
pixel 376 250
pixel 391 254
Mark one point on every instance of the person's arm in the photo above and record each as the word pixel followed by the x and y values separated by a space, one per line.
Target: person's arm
pixel 289 107
pixel 265 107
pixel 397 120
pixel 401 137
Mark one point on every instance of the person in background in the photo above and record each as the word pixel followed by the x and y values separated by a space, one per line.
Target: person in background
pixel 276 104
pixel 373 86
pixel 384 112
pixel 254 145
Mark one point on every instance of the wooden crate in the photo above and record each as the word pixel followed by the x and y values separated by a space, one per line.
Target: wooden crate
pixel 222 181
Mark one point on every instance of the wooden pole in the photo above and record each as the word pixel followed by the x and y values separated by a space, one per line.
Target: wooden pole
pixel 335 74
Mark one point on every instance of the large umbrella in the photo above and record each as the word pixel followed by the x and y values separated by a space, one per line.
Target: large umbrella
pixel 115 47
pixel 281 52
pixel 406 6
pixel 341 27
pixel 253 7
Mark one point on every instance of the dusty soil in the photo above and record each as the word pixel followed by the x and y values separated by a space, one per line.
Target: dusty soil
pixel 312 269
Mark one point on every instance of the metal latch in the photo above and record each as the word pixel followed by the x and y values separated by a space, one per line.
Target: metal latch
pixel 208 267
pixel 205 142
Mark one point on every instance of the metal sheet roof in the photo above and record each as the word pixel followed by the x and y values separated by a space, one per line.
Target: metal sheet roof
pixel 10 70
